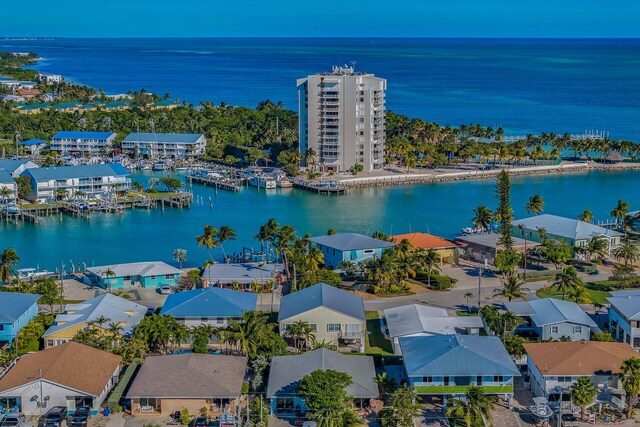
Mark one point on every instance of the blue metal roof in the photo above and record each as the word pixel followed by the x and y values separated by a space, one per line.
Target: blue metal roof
pixel 83 171
pixel 627 303
pixel 6 177
pixel 66 134
pixel 33 142
pixel 321 295
pixel 568 228
pixel 548 311
pixel 11 165
pixel 456 355
pixel 15 305
pixel 149 138
pixel 209 302
pixel 349 241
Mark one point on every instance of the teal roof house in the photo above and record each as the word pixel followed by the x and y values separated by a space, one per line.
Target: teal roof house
pixel 446 365
pixel 351 247
pixel 209 306
pixel 175 145
pixel 144 274
pixel 15 312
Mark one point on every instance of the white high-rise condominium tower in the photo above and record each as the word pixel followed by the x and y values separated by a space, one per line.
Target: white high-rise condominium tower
pixel 341 117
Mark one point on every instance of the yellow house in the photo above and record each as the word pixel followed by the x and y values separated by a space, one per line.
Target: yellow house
pixel 336 316
pixel 103 311
pixel 446 249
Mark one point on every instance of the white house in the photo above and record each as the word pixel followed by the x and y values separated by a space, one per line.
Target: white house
pixel 92 180
pixel 423 320
pixel 16 167
pixel 7 182
pixel 176 145
pixel 70 375
pixel 50 78
pixel 82 142
pixel 624 316
pixel 555 366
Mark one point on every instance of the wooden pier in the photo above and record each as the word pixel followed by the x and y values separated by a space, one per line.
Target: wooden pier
pixel 234 185
pixel 320 187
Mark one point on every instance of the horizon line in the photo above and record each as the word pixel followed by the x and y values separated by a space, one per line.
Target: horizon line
pixel 17 38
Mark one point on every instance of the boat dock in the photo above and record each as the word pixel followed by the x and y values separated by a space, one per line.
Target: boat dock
pixel 228 184
pixel 320 187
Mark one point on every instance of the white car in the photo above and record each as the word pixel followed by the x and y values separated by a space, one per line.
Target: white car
pixel 166 290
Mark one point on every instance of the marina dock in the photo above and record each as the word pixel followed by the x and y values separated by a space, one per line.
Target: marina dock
pixel 320 187
pixel 229 184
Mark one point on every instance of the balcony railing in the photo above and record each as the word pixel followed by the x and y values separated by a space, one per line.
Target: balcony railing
pixel 461 389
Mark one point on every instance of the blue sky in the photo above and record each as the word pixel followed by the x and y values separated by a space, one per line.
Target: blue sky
pixel 322 18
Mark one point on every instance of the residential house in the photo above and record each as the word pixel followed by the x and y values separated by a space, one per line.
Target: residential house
pixel 166 384
pixel 243 274
pixel 175 145
pixel 553 319
pixel 446 365
pixel 481 247
pixel 82 142
pixel 33 145
pixel 557 365
pixel 7 181
pixel 423 320
pixel 28 93
pixel 209 306
pixel 446 249
pixel 576 233
pixel 33 108
pixel 115 106
pixel 67 107
pixel 16 167
pixel 151 274
pixel 50 78
pixel 69 375
pixel 286 372
pixel 624 316
pixel 352 247
pixel 335 315
pixel 17 310
pixel 165 103
pixel 94 181
pixel 111 308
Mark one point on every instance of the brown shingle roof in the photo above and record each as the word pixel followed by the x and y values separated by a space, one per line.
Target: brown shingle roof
pixel 579 358
pixel 190 376
pixel 72 365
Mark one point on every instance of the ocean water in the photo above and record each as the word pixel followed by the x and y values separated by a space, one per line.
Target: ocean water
pixel 523 85
pixel 442 209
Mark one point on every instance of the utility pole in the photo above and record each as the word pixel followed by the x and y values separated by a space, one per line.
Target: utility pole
pixel 480 270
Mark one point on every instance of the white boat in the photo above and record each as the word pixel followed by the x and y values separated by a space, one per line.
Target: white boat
pixel 28 274
pixel 159 166
pixel 283 182
pixel 540 409
pixel 10 209
pixel 262 181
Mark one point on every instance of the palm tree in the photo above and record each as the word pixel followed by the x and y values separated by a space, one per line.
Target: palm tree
pixel 629 222
pixel 300 332
pixel 179 255
pixel 248 333
pixel 109 273
pixel 628 252
pixel 431 264
pixel 474 408
pixel 314 259
pixel 630 376
pixel 468 296
pixel 483 217
pixel 583 392
pixel 620 211
pixel 579 295
pixel 586 216
pixel 207 240
pixel 598 246
pixel 5 193
pixel 535 205
pixel 8 260
pixel 226 233
pixel 568 280
pixel 511 288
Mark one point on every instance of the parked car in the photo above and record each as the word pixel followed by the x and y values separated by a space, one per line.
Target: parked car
pixel 166 290
pixel 199 422
pixel 80 416
pixel 150 310
pixel 14 419
pixel 56 417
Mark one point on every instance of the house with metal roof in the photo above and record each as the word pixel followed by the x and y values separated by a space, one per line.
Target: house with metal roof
pixel 115 106
pixel 170 383
pixel 575 233
pixel 351 247
pixel 165 103
pixel 209 306
pixel 8 188
pixel 553 319
pixel 553 365
pixel 152 274
pixel 93 181
pixel 624 316
pixel 69 375
pixel 66 107
pixel 286 372
pixel 243 274
pixel 446 365
pixel 484 246
pixel 33 145
pixel 174 145
pixel 416 320
pixel 16 167
pixel 127 314
pixel 335 315
pixel 82 142
pixel 17 310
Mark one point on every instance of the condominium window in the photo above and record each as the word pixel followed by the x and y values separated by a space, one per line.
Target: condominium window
pixel 427 379
pixel 498 379
pixel 333 327
pixel 564 379
pixel 554 329
pixel 577 329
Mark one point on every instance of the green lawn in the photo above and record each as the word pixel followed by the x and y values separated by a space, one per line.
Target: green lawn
pixel 376 342
pixel 598 292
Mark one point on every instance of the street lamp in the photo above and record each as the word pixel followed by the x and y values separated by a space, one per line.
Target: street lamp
pixel 559 390
pixel 480 270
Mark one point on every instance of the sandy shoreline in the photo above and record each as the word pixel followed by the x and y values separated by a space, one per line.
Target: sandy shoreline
pixel 390 178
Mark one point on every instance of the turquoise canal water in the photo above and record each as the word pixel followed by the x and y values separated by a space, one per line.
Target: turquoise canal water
pixel 442 209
